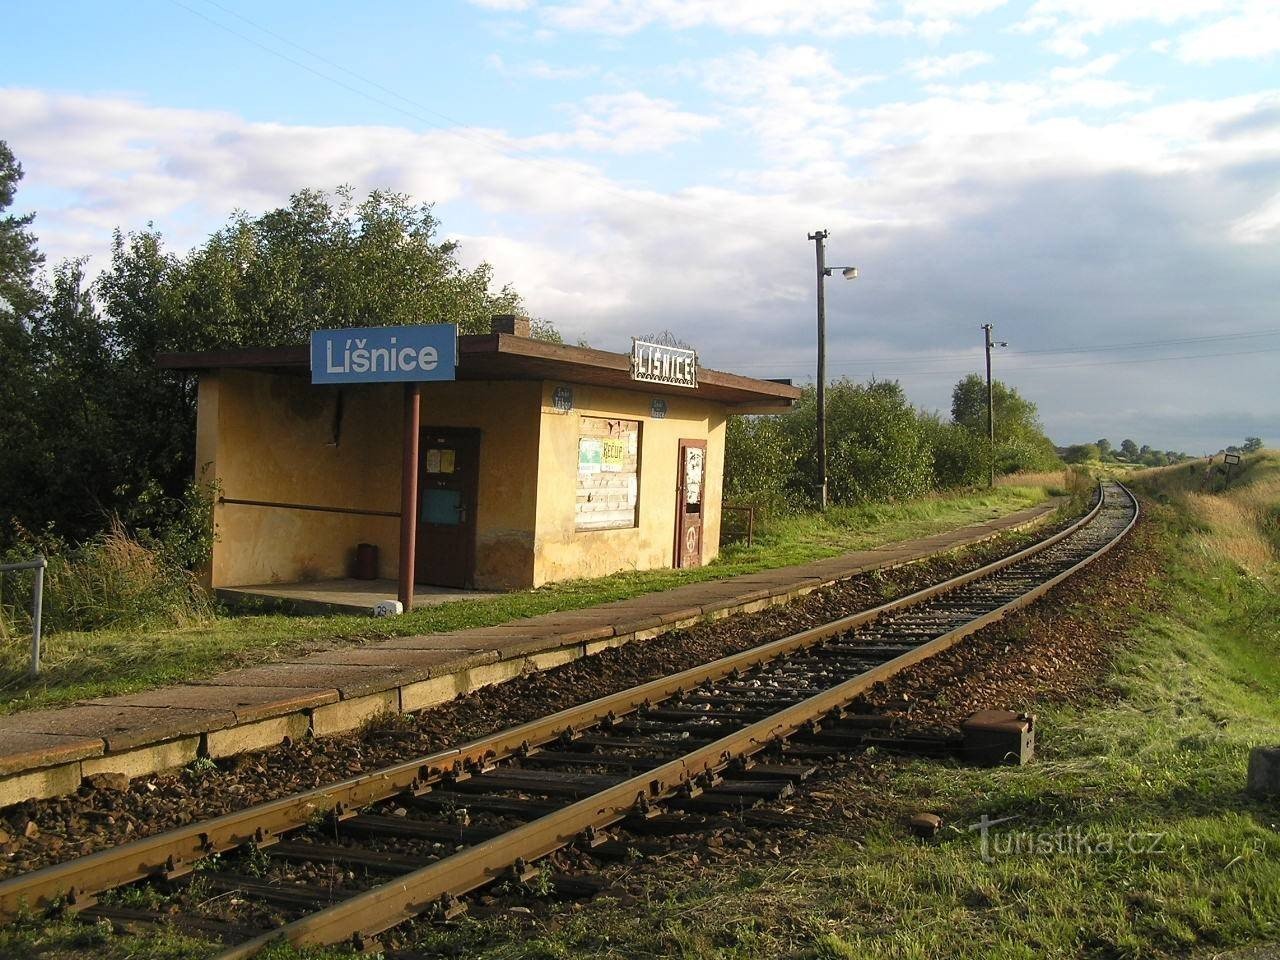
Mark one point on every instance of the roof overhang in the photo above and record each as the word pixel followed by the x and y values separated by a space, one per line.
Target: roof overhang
pixel 502 356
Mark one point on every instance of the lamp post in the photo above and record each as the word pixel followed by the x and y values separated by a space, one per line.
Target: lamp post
pixel 991 415
pixel 849 273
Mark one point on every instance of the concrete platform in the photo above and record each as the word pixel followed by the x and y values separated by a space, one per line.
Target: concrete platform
pixel 47 752
pixel 338 596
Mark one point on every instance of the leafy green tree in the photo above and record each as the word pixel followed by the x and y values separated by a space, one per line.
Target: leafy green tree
pixel 1082 453
pixel 1129 448
pixel 1252 444
pixel 1020 440
pixel 19 257
pixel 20 300
pixel 107 433
pixel 1104 448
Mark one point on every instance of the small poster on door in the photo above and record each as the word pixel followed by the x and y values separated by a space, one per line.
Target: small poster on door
pixel 446 461
pixel 432 461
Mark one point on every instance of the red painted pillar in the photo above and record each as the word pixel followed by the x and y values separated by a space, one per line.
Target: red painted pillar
pixel 409 494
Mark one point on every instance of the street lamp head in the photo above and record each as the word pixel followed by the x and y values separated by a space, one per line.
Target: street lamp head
pixel 850 273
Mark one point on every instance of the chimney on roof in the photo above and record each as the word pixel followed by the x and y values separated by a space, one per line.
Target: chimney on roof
pixel 511 324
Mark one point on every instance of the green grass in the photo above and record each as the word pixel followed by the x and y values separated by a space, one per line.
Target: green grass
pixel 1160 754
pixel 104 662
pixel 1159 762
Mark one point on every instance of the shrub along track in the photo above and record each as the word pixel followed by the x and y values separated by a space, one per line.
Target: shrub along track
pixel 685 742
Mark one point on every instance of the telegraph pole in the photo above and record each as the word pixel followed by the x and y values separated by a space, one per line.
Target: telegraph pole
pixel 991 417
pixel 988 343
pixel 818 237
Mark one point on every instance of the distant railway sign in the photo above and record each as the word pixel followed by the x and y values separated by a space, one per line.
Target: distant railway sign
pixel 1231 458
pixel 385 354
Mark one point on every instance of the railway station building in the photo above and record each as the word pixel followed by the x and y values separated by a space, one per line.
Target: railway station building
pixel 536 462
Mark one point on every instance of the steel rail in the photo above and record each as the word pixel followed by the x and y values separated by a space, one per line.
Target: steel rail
pixel 367 914
pixel 171 853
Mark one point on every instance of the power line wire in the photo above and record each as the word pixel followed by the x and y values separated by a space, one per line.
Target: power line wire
pixel 1057 366
pixel 1098 348
pixel 492 143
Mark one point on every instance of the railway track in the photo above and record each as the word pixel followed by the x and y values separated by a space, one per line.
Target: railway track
pixel 349 861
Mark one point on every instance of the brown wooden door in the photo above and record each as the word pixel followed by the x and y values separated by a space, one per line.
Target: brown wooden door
pixel 449 473
pixel 690 493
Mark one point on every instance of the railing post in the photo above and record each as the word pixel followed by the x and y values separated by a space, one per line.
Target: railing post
pixel 37 607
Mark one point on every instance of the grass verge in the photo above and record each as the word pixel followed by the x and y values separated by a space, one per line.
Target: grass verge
pixel 98 663
pixel 1131 837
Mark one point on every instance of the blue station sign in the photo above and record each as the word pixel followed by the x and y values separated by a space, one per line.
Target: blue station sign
pixel 385 354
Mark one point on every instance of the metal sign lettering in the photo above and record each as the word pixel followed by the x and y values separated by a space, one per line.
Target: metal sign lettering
pixel 562 398
pixel 658 363
pixel 385 354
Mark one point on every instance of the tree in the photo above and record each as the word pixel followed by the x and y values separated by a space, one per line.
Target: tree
pixel 19 258
pixel 1252 444
pixel 1129 449
pixel 1020 440
pixel 1082 453
pixel 103 431
pixel 1104 448
pixel 20 299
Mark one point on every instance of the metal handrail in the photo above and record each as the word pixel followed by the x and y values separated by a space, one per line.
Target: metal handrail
pixel 310 506
pixel 37 604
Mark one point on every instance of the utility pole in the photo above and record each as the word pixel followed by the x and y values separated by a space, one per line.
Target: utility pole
pixel 988 343
pixel 818 236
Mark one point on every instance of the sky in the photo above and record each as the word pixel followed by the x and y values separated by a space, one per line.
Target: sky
pixel 1099 179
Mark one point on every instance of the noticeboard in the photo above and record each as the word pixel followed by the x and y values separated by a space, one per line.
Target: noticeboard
pixel 608 482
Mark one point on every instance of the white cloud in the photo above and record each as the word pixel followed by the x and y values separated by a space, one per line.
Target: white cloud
pixel 625 123
pixel 930 19
pixel 984 201
pixel 1071 25
pixel 1251 34
pixel 1259 226
pixel 933 68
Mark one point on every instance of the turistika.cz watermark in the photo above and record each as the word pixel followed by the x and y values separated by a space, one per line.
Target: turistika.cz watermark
pixel 996 844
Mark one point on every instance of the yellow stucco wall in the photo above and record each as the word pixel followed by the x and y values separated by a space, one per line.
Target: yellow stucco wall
pixel 269 437
pixel 562 551
pixel 273 442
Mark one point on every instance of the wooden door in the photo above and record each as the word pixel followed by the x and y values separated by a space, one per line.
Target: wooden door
pixel 449 474
pixel 692 473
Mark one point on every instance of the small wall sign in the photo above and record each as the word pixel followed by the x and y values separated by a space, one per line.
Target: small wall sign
pixel 385 354
pixel 562 398
pixel 658 363
pixel 658 408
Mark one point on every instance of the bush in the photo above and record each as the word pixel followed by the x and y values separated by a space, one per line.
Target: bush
pixel 115 580
pixel 879 448
pixel 959 458
pixel 760 465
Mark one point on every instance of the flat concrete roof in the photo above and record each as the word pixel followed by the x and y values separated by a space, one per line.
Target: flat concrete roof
pixel 503 356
